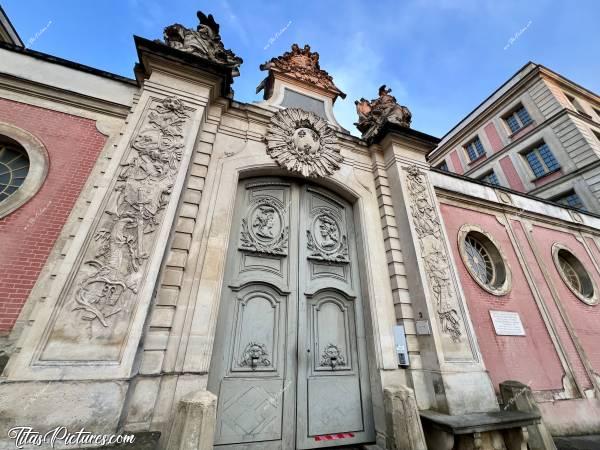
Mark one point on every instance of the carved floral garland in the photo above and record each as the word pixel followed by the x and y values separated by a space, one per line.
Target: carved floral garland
pixel 433 252
pixel 121 244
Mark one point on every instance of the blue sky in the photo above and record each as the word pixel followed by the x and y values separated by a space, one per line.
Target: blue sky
pixel 441 57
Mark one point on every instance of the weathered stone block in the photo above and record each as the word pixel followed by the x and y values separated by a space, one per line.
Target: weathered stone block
pixel 517 396
pixel 194 425
pixel 402 418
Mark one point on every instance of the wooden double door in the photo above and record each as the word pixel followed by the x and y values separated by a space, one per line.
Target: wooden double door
pixel 289 364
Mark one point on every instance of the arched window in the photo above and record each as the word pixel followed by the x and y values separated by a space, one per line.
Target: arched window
pixel 14 167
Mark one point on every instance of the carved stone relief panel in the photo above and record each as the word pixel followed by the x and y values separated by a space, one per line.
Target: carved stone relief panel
pixel 99 299
pixel 434 256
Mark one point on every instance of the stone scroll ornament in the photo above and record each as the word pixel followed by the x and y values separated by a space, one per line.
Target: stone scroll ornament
pixel 264 229
pixel 122 242
pixel 433 252
pixel 374 114
pixel 204 41
pixel 302 142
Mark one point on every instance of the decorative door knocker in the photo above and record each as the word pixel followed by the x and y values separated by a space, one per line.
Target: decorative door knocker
pixel 255 355
pixel 332 357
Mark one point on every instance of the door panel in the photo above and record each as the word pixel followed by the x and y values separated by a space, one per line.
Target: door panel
pixel 253 364
pixel 289 360
pixel 333 390
pixel 250 410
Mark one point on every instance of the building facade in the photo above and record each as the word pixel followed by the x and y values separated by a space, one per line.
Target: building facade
pixel 182 265
pixel 539 133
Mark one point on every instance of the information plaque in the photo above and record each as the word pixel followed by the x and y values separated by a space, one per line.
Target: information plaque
pixel 507 323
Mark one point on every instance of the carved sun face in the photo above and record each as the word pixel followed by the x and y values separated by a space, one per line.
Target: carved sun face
pixel 302 142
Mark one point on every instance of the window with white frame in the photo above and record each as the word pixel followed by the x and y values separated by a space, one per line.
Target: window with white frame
pixel 518 119
pixel 490 178
pixel 571 199
pixel 443 166
pixel 541 160
pixel 475 149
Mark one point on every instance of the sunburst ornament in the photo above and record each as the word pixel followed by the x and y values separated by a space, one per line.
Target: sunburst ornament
pixel 302 142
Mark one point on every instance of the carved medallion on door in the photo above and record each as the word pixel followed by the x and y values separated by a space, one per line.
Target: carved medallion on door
pixel 264 228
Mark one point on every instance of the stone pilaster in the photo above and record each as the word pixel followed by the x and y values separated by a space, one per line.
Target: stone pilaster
pixel 450 359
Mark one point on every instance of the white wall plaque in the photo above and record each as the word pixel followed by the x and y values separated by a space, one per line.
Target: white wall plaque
pixel 507 323
pixel 422 327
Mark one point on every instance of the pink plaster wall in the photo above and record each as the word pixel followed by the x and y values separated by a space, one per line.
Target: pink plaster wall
pixel 458 168
pixel 514 181
pixel 493 137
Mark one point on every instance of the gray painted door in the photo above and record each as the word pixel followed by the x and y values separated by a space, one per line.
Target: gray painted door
pixel 289 365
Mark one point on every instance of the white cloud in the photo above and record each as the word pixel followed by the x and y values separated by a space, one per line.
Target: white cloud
pixel 358 73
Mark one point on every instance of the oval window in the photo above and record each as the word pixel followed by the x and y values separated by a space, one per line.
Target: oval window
pixel 483 260
pixel 574 274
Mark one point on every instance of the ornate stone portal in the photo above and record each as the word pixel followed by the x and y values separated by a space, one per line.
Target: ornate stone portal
pixel 205 41
pixel 372 115
pixel 303 142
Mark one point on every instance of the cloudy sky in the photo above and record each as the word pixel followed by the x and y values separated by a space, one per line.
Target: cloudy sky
pixel 441 57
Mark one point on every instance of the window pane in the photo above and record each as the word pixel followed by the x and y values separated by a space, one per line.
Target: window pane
pixel 471 152
pixel 475 149
pixel 491 178
pixel 512 122
pixel 479 146
pixel 571 199
pixel 548 158
pixel 14 165
pixel 523 116
pixel 535 164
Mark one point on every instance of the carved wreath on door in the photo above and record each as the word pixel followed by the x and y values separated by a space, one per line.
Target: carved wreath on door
pixel 302 142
